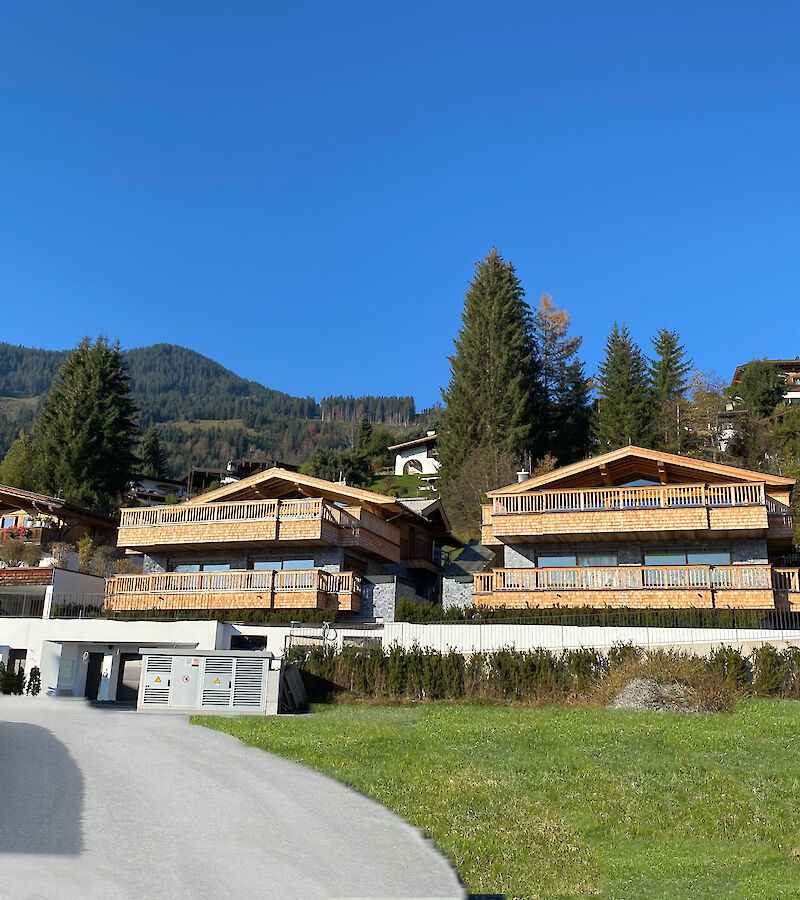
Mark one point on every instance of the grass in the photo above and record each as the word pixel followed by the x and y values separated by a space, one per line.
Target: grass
pixel 400 486
pixel 572 802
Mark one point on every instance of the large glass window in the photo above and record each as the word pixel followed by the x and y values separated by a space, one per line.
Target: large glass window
pixel 557 561
pixel 278 564
pixel 597 558
pixel 670 558
pixel 709 559
pixel 200 567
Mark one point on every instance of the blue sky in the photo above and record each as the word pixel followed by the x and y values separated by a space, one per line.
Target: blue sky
pixel 300 191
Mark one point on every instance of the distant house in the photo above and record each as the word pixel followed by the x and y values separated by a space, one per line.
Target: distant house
pixel 789 369
pixel 43 520
pixel 199 479
pixel 154 491
pixel 417 457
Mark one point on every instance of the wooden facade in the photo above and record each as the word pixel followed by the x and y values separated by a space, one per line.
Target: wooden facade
pixel 629 516
pixel 251 533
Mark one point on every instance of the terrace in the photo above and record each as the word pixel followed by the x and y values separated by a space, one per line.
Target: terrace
pixel 267 589
pixel 689 508
pixel 739 586
pixel 312 520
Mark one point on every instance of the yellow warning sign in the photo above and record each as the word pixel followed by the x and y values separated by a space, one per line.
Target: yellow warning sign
pixel 216 681
pixel 158 678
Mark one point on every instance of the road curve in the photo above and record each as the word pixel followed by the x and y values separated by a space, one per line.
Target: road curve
pixel 111 803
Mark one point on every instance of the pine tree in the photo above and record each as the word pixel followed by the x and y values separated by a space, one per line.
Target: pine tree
pixel 86 431
pixel 153 461
pixel 625 406
pixel 17 469
pixel 494 396
pixel 670 367
pixel 668 372
pixel 565 387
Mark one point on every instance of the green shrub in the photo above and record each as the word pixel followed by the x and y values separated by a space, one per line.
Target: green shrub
pixel 729 665
pixel 769 670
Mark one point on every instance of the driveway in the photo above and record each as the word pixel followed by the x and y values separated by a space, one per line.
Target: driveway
pixel 112 803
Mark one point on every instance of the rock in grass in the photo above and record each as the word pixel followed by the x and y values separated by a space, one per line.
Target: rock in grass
pixel 644 693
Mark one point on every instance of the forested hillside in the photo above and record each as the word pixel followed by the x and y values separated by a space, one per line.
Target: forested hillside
pixel 205 413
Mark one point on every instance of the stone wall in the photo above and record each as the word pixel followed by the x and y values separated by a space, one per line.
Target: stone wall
pixel 457 592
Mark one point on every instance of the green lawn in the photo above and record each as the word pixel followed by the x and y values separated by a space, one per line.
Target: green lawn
pixel 568 801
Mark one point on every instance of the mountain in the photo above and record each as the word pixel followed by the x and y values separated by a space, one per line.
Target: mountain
pixel 205 413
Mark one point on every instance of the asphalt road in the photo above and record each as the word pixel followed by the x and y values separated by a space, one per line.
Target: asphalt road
pixel 118 804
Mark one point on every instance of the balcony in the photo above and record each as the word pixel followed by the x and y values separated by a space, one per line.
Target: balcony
pixel 268 589
pixel 740 587
pixel 692 509
pixel 255 522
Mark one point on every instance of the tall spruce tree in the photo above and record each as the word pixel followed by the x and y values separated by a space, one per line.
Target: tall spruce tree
pixel 670 366
pixel 86 432
pixel 625 405
pixel 493 399
pixel 17 467
pixel 668 371
pixel 564 385
pixel 153 461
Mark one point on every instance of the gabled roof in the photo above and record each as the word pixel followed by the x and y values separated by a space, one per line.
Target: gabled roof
pixel 631 462
pixel 279 482
pixel 428 508
pixel 786 365
pixel 427 439
pixel 16 498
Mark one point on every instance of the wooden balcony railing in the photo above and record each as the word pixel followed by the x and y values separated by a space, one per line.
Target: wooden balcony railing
pixel 675 496
pixel 787 580
pixel 626 578
pixel 280 581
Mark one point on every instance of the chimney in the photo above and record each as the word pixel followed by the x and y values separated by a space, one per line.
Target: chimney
pixel 523 475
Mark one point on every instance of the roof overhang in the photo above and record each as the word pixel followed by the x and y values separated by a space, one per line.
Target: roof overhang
pixel 631 462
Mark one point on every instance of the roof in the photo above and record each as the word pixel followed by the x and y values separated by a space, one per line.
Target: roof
pixel 427 507
pixel 427 439
pixel 632 461
pixel 277 482
pixel 788 364
pixel 16 498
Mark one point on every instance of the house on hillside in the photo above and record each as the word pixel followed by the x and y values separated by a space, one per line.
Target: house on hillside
pixel 789 370
pixel 640 528
pixel 41 520
pixel 417 457
pixel 283 540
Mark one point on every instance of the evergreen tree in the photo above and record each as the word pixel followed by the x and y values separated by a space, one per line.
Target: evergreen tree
pixel 17 467
pixel 669 368
pixel 494 396
pixel 565 388
pixel 625 407
pixel 86 431
pixel 668 371
pixel 364 439
pixel 760 388
pixel 153 461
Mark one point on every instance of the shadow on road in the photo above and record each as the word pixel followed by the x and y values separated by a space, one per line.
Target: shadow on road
pixel 41 788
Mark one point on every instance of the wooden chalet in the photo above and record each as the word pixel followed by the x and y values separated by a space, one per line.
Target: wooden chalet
pixel 277 539
pixel 641 528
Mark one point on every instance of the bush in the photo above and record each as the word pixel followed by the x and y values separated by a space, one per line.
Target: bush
pixel 769 671
pixel 34 681
pixel 729 665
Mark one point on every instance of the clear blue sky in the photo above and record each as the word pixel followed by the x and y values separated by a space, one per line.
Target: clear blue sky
pixel 300 190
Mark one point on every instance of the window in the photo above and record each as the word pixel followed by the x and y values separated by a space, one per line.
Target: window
pixel 9 521
pixel 597 558
pixel 286 564
pixel 708 559
pixel 200 567
pixel 671 558
pixel 557 561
